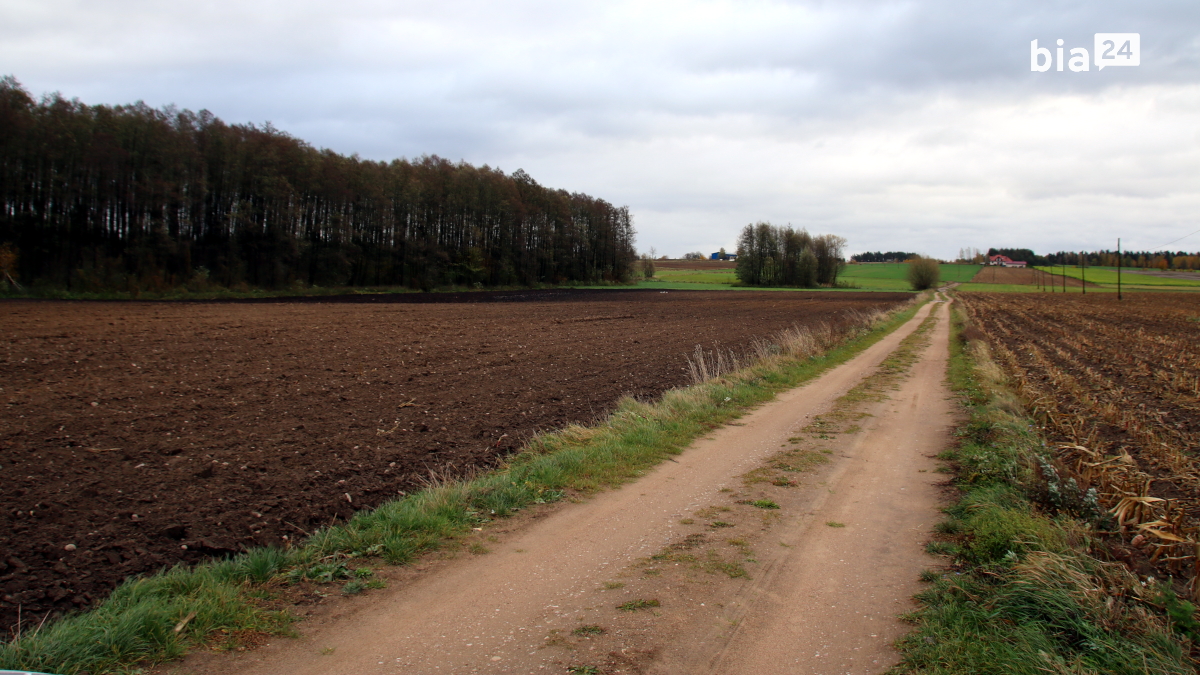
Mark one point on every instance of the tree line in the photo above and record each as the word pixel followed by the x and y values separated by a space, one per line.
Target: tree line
pixel 1161 260
pixel 130 197
pixel 772 255
pixel 882 257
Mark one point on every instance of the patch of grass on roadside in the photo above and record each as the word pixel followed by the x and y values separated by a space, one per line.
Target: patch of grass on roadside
pixel 634 605
pixel 1027 597
pixel 136 624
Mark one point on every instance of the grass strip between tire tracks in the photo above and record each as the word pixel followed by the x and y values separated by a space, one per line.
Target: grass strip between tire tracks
pixel 1027 591
pixel 158 618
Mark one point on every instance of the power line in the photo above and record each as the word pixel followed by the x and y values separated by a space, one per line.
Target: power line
pixel 1172 242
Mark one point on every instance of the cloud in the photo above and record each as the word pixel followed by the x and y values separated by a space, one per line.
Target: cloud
pixel 900 125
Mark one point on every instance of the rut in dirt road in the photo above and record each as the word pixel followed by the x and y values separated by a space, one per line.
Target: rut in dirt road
pixel 802 597
pixel 830 604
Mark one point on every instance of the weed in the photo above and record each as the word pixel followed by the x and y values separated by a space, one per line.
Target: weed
pixel 261 564
pixel 322 572
pixel 585 670
pixel 327 651
pixel 720 523
pixel 930 576
pixel 364 572
pixel 686 521
pixel 764 504
pixel 834 523
pixel 613 585
pixel 941 548
pixel 588 630
pixel 950 526
pixel 731 569
pixel 1182 613
pixel 634 605
pixel 479 549
pixel 354 587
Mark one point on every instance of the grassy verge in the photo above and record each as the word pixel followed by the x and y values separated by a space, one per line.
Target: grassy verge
pixel 160 617
pixel 1027 591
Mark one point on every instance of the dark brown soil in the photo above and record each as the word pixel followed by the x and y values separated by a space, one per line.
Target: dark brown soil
pixel 138 435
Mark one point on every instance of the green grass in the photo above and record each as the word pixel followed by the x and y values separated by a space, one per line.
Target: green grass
pixel 698 276
pixel 1129 277
pixel 867 277
pixel 949 271
pixel 894 276
pixel 634 605
pixel 136 623
pixel 1027 597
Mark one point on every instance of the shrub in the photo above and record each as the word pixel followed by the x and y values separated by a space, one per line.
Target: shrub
pixel 923 273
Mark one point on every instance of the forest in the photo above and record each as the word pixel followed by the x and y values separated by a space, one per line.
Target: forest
pixel 131 198
pixel 772 255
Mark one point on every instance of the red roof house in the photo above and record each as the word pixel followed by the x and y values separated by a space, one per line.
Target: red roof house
pixel 1005 261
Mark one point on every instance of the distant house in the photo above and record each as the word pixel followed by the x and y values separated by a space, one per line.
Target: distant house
pixel 1005 261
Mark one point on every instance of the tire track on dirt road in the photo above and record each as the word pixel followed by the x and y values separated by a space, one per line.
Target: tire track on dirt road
pixel 493 613
pixel 830 604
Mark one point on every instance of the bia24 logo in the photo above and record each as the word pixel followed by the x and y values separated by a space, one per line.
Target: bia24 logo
pixel 1109 49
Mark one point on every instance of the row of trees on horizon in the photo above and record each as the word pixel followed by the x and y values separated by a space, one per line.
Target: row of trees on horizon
pixel 1163 260
pixel 129 197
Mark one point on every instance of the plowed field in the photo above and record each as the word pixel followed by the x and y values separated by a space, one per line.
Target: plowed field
pixel 1024 275
pixel 138 435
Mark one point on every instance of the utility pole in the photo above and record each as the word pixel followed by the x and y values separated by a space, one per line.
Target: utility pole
pixel 1083 271
pixel 1118 268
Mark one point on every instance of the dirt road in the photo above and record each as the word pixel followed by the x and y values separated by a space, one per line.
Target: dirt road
pixel 697 567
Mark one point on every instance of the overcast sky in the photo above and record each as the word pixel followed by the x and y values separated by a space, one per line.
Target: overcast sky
pixel 915 126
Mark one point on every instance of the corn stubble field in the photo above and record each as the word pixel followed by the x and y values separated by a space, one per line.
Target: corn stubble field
pixel 1117 386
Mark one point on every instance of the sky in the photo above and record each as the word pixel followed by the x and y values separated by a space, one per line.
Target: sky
pixel 907 126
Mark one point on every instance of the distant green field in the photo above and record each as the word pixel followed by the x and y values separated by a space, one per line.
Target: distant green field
pixel 894 276
pixel 950 272
pixel 1108 275
pixel 867 277
pixel 697 276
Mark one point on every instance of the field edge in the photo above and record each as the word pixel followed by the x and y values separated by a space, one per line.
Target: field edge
pixel 1021 591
